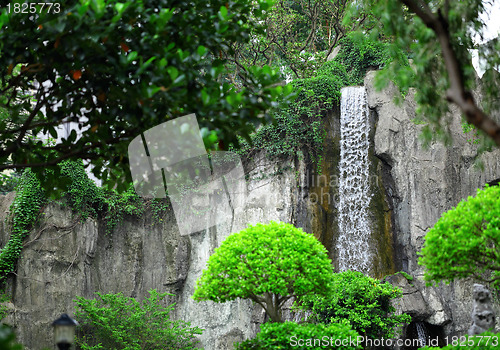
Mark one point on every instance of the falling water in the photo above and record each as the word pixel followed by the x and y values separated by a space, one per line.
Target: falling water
pixel 354 192
pixel 421 333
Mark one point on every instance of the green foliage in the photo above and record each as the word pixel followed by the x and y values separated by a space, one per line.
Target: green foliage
pixel 8 182
pixel 159 207
pixel 290 335
pixel 82 195
pixel 4 297
pixel 25 209
pixel 8 339
pixel 407 276
pixel 298 36
pixel 130 65
pixel 113 321
pixel 418 121
pixel 85 198
pixel 467 128
pixel 430 76
pixel 464 242
pixel 266 263
pixel 485 341
pixel 359 53
pixel 365 303
pixel 299 126
pixel 335 68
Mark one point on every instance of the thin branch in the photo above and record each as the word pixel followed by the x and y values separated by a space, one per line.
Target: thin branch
pixel 457 93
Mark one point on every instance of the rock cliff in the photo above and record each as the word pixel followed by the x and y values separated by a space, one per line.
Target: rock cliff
pixel 421 185
pixel 412 187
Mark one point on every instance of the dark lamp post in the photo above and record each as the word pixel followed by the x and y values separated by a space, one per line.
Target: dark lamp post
pixel 64 331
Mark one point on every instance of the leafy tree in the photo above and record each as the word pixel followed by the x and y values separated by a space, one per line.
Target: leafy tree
pixel 267 263
pixel 466 240
pixel 275 336
pixel 298 36
pixel 360 301
pixel 117 68
pixel 440 34
pixel 113 321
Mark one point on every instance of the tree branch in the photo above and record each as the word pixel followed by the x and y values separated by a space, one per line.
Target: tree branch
pixel 457 92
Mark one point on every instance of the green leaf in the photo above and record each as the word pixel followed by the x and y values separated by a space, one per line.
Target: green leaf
pixel 201 50
pixel 223 13
pixel 131 56
pixel 164 16
pixel 98 6
pixel 173 72
pixel 145 65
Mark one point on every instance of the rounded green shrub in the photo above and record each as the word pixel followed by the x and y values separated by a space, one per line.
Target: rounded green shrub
pixel 363 302
pixel 464 242
pixel 290 335
pixel 267 263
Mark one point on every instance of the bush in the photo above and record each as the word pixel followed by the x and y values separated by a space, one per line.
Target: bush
pixel 359 53
pixel 464 241
pixel 334 69
pixel 268 264
pixel 365 303
pixel 290 335
pixel 8 339
pixel 485 341
pixel 113 321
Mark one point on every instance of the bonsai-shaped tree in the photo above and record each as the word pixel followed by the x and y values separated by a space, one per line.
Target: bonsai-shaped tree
pixel 268 264
pixel 465 241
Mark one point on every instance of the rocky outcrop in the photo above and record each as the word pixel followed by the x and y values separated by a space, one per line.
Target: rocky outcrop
pixel 422 184
pixel 64 258
pixel 412 187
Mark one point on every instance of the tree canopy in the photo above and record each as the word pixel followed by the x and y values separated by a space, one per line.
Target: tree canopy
pixel 117 68
pixel 267 263
pixel 465 241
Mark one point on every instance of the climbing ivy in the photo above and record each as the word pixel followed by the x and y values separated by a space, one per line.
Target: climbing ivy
pixel 82 195
pixel 299 126
pixel 25 209
pixel 469 128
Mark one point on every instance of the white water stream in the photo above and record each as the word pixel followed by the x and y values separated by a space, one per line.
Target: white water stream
pixel 422 337
pixel 354 187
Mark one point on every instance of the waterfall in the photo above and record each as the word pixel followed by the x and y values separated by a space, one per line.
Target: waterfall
pixel 421 334
pixel 354 187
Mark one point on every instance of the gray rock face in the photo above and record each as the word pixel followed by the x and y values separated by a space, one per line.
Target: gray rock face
pixel 412 301
pixel 425 184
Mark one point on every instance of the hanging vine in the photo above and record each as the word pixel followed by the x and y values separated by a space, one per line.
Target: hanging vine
pixel 83 196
